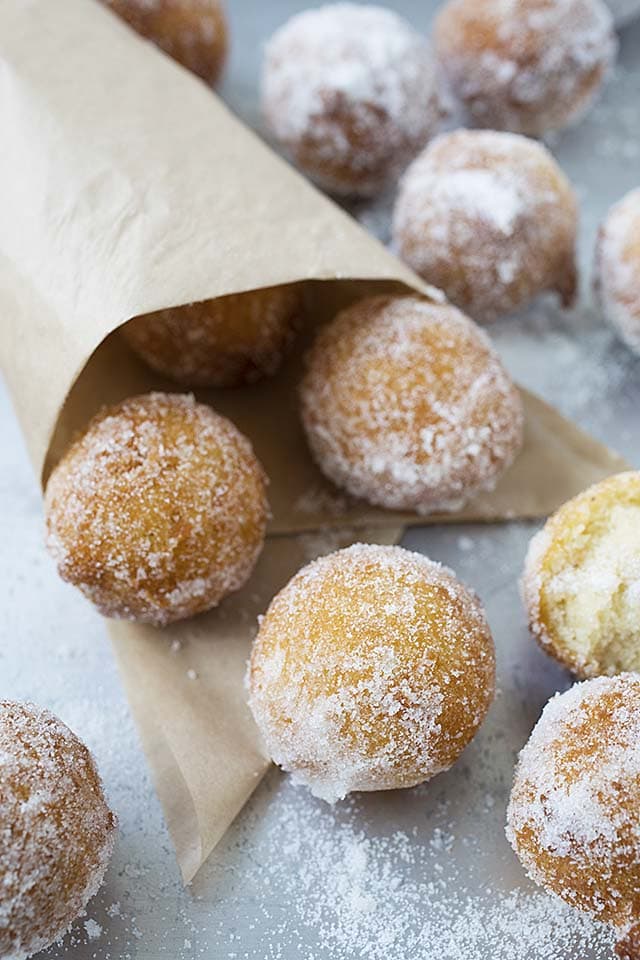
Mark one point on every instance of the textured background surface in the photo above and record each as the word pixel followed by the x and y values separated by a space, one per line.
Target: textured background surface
pixel 422 874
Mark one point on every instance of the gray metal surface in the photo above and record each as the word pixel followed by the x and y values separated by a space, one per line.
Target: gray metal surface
pixel 414 875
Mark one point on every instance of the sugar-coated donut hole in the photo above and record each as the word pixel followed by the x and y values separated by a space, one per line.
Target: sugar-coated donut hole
pixel 219 343
pixel 406 404
pixel 56 829
pixel 573 817
pixel 491 219
pixel 349 91
pixel 372 670
pixel 158 511
pixel 581 578
pixel 193 32
pixel 617 268
pixel 529 67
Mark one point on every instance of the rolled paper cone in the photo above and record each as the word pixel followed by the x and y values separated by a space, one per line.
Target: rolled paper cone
pixel 128 187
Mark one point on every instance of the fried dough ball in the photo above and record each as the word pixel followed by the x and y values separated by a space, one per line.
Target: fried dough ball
pixel 219 343
pixel 193 32
pixel 372 670
pixel 581 583
pixel 158 511
pixel 574 814
pixel 406 404
pixel 529 66
pixel 490 219
pixel 56 829
pixel 349 91
pixel 618 268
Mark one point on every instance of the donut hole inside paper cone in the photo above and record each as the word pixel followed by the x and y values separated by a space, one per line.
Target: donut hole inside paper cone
pixel 557 460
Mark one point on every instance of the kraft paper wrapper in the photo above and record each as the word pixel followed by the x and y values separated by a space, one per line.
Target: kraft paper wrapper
pixel 127 187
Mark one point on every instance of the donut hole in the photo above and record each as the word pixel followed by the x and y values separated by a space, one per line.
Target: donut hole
pixel 406 404
pixel 573 811
pixel 582 580
pixel 372 670
pixel 600 600
pixel 56 827
pixel 158 511
pixel 225 342
pixel 529 67
pixel 490 219
pixel 617 268
pixel 349 91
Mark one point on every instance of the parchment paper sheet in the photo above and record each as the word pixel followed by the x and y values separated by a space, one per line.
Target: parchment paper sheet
pixel 126 187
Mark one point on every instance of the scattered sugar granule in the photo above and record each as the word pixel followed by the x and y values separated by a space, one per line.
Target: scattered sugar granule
pixel 94 930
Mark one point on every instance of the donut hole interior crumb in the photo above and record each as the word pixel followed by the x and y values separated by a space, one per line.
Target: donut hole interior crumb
pixel 593 605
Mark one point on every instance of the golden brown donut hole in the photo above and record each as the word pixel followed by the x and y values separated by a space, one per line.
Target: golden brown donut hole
pixel 158 511
pixel 491 219
pixel 406 404
pixel 372 670
pixel 56 829
pixel 219 343
pixel 581 579
pixel 349 91
pixel 573 813
pixel 530 66
pixel 617 268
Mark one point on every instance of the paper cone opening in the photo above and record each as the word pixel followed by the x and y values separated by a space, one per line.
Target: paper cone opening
pixel 556 462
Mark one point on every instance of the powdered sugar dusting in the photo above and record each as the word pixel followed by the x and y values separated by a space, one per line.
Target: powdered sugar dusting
pixel 361 666
pixel 525 65
pixel 618 268
pixel 490 218
pixel 56 830
pixel 406 404
pixel 349 90
pixel 469 189
pixel 158 510
pixel 573 815
pixel 397 894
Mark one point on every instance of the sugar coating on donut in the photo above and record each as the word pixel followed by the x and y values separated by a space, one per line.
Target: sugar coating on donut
pixel 581 583
pixel 618 268
pixel 529 66
pixel 490 219
pixel 219 343
pixel 406 404
pixel 573 817
pixel 193 32
pixel 349 90
pixel 372 669
pixel 158 511
pixel 56 829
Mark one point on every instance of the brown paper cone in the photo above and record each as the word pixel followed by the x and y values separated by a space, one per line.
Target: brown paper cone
pixel 127 187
